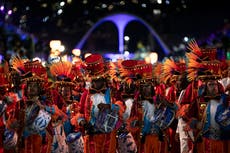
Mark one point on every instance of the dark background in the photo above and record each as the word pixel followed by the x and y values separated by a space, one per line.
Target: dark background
pixel 178 18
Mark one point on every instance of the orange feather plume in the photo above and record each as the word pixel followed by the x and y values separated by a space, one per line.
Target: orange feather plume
pixel 62 68
pixel 18 64
pixel 193 47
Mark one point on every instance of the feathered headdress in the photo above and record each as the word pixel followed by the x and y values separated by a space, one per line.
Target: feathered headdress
pixel 17 64
pixel 172 69
pixel 114 70
pixel 34 71
pixel 128 71
pixel 144 71
pixel 96 67
pixel 202 63
pixel 63 73
pixel 30 71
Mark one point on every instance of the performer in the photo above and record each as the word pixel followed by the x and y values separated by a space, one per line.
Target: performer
pixel 222 117
pixel 98 115
pixel 129 139
pixel 152 134
pixel 172 73
pixel 64 75
pixel 223 111
pixel 28 120
pixel 207 68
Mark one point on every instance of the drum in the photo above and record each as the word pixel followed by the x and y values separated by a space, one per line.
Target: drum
pixel 75 142
pixel 59 140
pixel 126 144
pixel 10 139
pixel 41 121
pixel 164 117
pixel 223 117
pixel 32 112
pixel 106 121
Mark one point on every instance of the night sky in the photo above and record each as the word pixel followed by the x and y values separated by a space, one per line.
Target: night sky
pixel 177 19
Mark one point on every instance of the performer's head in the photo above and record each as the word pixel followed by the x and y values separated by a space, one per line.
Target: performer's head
pixel 66 92
pixel 98 83
pixel 204 65
pixel 212 87
pixel 33 89
pixel 146 80
pixel 182 82
pixel 64 75
pixel 97 71
pixel 174 72
pixel 29 75
pixel 128 83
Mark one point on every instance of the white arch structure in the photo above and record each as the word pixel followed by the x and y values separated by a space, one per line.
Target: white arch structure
pixel 121 20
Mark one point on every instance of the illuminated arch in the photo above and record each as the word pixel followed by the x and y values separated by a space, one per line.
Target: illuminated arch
pixel 121 20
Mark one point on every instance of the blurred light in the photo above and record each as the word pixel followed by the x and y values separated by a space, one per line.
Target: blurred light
pixel 76 52
pixel 153 57
pixel 87 54
pixel 55 44
pixel 44 5
pixel 69 1
pixel 103 6
pixel 7 17
pixel 182 47
pixel 147 59
pixel 85 1
pixel 135 1
pixel 143 55
pixel 122 2
pixel 44 63
pixel 159 1
pixel 115 57
pixel 59 11
pixel 97 7
pixel 167 2
pixel 62 3
pixel 228 55
pixel 126 53
pixel 27 8
pixel 184 6
pixel 64 58
pixel 45 19
pixel 143 5
pixel 9 12
pixel 61 48
pixel 37 59
pixel 2 8
pixel 15 9
pixel 57 53
pixel 175 48
pixel 185 39
pixel 156 11
pixel 126 38
pixel 110 7
pixel 1 58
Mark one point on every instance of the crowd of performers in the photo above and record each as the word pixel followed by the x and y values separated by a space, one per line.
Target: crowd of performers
pixel 128 106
